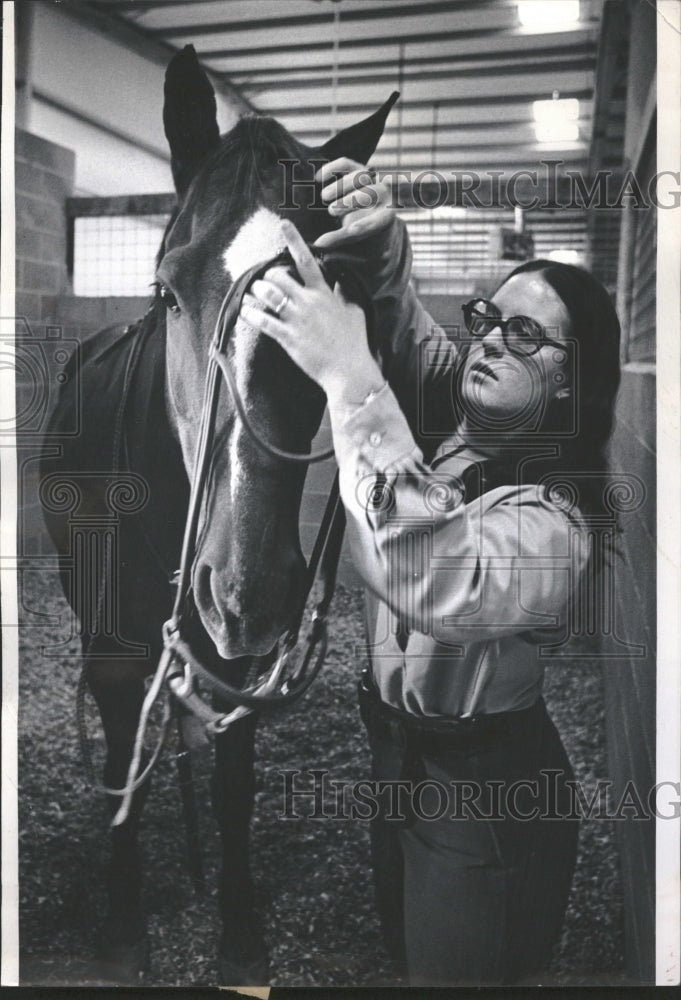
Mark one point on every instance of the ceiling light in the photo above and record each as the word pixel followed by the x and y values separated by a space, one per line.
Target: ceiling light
pixel 542 15
pixel 556 120
pixel 447 212
pixel 567 256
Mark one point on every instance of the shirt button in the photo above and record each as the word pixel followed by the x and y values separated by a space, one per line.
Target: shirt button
pixel 375 439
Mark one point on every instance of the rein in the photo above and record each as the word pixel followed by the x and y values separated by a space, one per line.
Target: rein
pixel 179 667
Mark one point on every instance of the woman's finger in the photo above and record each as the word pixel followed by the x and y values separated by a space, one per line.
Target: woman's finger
pixel 265 322
pixel 371 220
pixel 359 198
pixel 370 217
pixel 282 277
pixel 308 269
pixel 355 180
pixel 374 220
pixel 271 294
pixel 336 168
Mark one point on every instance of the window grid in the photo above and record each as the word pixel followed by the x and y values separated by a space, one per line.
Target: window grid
pixel 115 254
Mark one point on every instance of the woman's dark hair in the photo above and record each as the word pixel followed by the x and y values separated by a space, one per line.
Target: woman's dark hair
pixel 595 328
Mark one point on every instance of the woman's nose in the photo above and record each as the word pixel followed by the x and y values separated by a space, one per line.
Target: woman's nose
pixel 493 342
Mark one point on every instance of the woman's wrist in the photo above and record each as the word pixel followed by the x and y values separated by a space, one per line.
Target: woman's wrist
pixel 351 388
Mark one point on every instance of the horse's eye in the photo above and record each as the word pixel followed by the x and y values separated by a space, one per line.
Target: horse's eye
pixel 168 299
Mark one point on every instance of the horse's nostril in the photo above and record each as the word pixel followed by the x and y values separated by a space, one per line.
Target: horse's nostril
pixel 203 595
pixel 219 611
pixel 247 619
pixel 213 596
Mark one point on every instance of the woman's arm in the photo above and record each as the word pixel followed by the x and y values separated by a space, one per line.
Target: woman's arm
pixel 460 571
pixel 417 359
pixel 447 567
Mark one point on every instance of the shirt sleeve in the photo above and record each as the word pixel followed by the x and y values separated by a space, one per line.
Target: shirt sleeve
pixel 418 359
pixel 504 563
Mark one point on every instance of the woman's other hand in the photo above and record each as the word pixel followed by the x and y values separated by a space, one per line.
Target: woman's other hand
pixel 353 195
pixel 323 333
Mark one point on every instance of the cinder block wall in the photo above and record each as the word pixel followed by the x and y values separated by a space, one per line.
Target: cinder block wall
pixel 44 179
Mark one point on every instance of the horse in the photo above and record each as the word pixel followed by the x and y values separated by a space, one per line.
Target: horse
pixel 131 463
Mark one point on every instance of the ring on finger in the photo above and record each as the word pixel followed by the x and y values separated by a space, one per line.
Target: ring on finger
pixel 280 305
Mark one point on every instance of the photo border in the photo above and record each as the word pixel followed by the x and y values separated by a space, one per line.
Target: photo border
pixel 668 727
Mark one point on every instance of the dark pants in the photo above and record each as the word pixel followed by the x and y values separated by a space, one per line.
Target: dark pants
pixel 474 894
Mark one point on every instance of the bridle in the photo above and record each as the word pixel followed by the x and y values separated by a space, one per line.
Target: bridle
pixel 287 678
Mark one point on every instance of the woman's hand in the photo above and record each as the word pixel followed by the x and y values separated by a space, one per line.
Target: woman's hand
pixel 324 334
pixel 354 196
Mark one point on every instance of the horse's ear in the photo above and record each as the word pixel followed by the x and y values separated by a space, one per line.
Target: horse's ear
pixel 359 141
pixel 189 115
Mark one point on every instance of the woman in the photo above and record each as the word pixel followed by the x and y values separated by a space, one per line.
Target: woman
pixel 471 563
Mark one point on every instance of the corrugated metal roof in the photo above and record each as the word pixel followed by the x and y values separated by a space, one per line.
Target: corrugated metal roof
pixel 467 70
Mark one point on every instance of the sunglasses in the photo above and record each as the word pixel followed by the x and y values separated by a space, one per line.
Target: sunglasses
pixel 522 334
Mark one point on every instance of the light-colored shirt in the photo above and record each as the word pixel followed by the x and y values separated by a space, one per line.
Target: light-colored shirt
pixel 458 588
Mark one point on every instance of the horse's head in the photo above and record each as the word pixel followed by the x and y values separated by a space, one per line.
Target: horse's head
pixel 233 189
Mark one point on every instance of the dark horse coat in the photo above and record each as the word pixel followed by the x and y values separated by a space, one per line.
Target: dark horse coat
pixel 118 384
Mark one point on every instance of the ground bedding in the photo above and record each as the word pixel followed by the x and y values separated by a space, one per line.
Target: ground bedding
pixel 313 876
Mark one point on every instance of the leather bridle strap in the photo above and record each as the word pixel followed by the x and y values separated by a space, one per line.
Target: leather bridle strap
pixel 225 324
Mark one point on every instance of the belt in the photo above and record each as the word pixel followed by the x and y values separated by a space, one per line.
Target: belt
pixel 440 733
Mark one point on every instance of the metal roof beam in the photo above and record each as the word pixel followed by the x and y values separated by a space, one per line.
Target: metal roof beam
pixel 374 41
pixel 315 82
pixel 316 134
pixel 586 49
pixel 414 154
pixel 323 19
pixel 143 5
pixel 582 94
pixel 492 146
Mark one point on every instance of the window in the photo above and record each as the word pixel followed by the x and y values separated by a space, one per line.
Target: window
pixel 116 254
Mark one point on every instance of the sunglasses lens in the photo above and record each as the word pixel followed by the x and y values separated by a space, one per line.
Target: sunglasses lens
pixel 524 335
pixel 481 317
pixel 481 325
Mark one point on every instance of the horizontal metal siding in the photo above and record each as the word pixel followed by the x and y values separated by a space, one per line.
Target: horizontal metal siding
pixel 641 333
pixel 629 681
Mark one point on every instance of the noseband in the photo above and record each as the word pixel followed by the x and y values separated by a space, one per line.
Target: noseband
pixel 289 677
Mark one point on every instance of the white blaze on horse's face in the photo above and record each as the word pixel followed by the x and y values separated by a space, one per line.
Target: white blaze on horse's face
pixel 258 239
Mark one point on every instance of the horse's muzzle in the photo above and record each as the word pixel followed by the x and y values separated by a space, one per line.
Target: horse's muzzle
pixel 248 621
